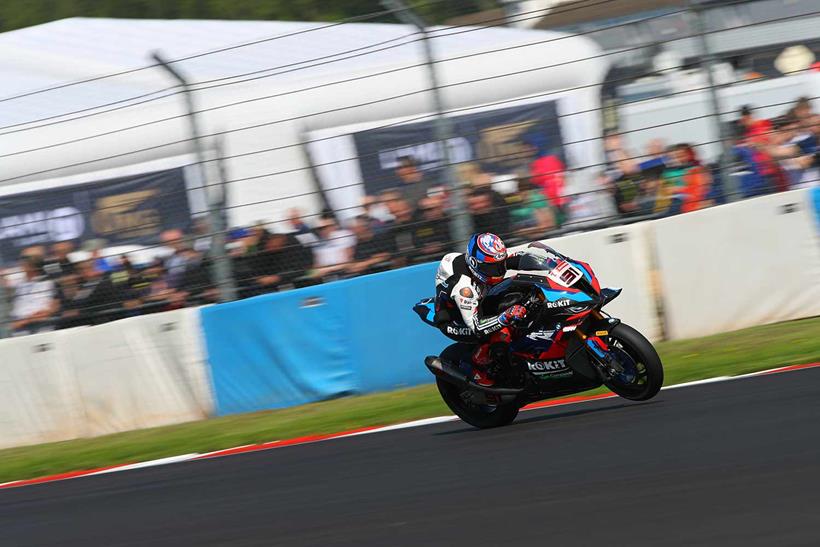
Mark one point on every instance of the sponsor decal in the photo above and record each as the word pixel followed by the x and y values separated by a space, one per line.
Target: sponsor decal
pixel 559 303
pixel 541 335
pixel 312 302
pixel 123 211
pixel 129 214
pixel 466 307
pixel 601 333
pixel 469 302
pixel 459 331
pixel 492 245
pixel 60 224
pixel 466 292
pixel 548 367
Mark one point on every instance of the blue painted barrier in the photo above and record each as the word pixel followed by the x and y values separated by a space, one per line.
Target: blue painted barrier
pixel 291 348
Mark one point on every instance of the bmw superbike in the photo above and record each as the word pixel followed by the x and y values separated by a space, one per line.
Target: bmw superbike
pixel 566 345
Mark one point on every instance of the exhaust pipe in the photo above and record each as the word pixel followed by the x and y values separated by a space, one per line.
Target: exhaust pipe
pixel 447 372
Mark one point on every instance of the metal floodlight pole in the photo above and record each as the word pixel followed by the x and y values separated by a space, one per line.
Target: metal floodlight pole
pixel 461 222
pixel 222 271
pixel 707 63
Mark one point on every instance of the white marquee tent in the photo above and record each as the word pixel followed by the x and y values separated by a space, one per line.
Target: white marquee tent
pixel 291 81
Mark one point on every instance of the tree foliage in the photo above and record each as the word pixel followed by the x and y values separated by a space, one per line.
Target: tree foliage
pixel 18 14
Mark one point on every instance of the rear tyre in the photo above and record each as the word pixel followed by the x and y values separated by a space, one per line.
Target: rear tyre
pixel 643 372
pixel 480 416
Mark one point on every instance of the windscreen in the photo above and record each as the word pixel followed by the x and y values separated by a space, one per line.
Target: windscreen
pixel 537 260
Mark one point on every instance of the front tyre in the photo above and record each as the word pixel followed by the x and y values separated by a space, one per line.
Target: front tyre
pixel 642 378
pixel 480 416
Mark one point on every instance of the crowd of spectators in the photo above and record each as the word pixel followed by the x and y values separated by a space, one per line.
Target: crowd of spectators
pixel 62 286
pixel 767 155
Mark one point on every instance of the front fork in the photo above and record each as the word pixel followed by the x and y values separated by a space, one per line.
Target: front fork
pixel 595 345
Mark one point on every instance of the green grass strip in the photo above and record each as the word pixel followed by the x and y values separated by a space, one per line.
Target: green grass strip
pixel 728 354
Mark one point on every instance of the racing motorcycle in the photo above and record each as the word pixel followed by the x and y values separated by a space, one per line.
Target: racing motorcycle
pixel 566 344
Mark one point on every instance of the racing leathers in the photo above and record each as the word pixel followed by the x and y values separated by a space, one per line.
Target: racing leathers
pixel 459 315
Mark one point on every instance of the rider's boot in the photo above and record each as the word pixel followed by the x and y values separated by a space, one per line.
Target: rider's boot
pixel 489 357
pixel 481 360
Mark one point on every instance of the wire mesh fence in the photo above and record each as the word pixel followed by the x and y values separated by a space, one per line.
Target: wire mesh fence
pixel 119 207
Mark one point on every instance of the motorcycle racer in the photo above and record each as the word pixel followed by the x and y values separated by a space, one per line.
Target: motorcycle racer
pixel 462 281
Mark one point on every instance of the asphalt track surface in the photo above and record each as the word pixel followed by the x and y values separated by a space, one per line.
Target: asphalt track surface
pixel 731 463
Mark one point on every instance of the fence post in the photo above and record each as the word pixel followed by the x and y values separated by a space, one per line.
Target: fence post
pixel 461 223
pixel 707 63
pixel 5 308
pixel 222 271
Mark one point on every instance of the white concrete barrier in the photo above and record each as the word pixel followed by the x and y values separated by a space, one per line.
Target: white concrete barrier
pixel 130 374
pixel 38 398
pixel 739 265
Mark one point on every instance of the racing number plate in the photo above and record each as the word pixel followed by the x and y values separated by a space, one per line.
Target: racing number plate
pixel 565 274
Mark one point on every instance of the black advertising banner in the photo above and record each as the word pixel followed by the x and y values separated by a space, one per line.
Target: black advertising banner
pixel 131 210
pixel 501 142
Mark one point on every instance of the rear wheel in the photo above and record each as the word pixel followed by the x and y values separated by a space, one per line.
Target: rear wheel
pixel 643 372
pixel 477 415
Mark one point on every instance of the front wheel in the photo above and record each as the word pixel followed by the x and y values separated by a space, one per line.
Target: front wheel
pixel 480 416
pixel 642 377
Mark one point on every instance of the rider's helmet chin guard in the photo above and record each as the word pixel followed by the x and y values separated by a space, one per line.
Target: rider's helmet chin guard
pixel 486 258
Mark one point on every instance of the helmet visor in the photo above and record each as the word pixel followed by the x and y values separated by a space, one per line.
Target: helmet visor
pixel 492 269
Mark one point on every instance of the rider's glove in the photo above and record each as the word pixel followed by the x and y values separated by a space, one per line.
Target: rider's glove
pixel 513 315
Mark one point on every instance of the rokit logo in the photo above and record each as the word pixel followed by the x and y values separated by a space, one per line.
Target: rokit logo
pixel 459 331
pixel 555 367
pixel 559 303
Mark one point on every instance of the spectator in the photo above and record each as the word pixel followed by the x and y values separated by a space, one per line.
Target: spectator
pixel 376 213
pixel 530 212
pixel 773 177
pixel 372 252
pixel 432 236
pixel 283 263
pixel 95 295
pixel 299 228
pixel 685 182
pixel 149 285
pixel 95 248
pixel 488 215
pixel 202 235
pixel 751 125
pixel 177 262
pixel 803 110
pixel 697 180
pixel 650 185
pixel 402 231
pixel 334 249
pixel 58 263
pixel 805 137
pixel 625 185
pixel 413 185
pixel 35 300
pixel 796 163
pixel 655 161
pixel 547 172
pixel 250 244
pixel 197 285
